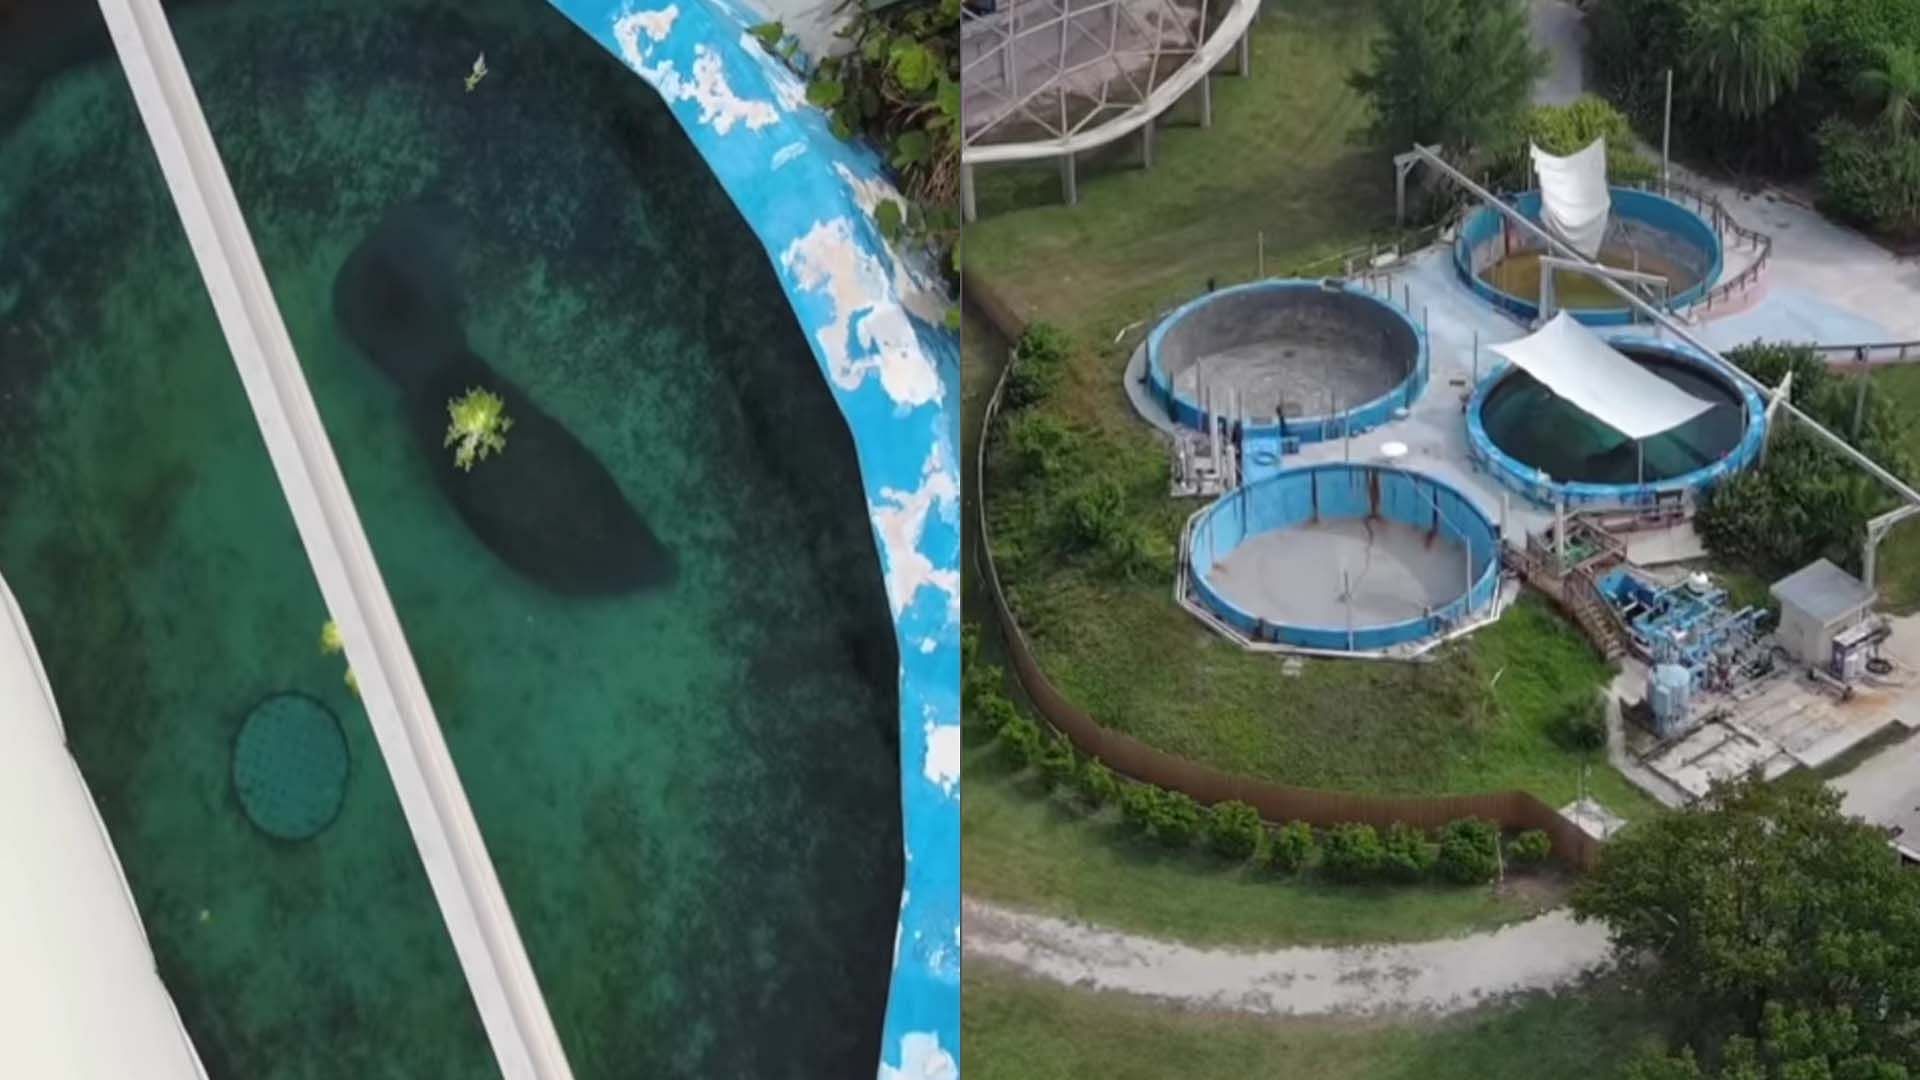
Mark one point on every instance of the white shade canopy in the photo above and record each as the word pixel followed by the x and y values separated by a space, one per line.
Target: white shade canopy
pixel 79 996
pixel 1599 380
pixel 1574 200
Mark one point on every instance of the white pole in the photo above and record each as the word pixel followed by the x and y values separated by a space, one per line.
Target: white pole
pixel 1666 134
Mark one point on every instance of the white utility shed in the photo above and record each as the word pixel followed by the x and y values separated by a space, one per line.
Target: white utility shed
pixel 1817 603
pixel 79 996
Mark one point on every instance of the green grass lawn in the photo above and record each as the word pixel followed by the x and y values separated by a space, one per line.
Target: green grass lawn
pixel 1281 158
pixel 1015 1028
pixel 1044 853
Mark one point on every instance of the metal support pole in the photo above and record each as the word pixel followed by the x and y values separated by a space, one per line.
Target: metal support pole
pixel 969 210
pixel 1860 398
pixel 1069 190
pixel 1246 54
pixel 1206 101
pixel 1146 145
pixel 1260 239
pixel 1666 136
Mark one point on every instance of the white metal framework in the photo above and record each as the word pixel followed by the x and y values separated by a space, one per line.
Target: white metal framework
pixel 1048 78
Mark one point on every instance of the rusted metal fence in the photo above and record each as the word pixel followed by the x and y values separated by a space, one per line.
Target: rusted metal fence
pixel 1131 758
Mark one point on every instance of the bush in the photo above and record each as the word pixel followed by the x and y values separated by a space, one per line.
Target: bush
pixel 1039 360
pixel 1042 445
pixel 1233 830
pixel 1291 848
pixel 1469 851
pixel 1563 129
pixel 1868 178
pixel 1096 783
pixel 1096 515
pixel 1582 724
pixel 1406 853
pixel 1056 760
pixel 1023 740
pixel 1352 853
pixel 1532 846
pixel 995 712
pixel 1803 504
pixel 1176 817
pixel 1138 803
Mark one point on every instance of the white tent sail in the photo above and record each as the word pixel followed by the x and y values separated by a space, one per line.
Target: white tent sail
pixel 1574 200
pixel 1599 380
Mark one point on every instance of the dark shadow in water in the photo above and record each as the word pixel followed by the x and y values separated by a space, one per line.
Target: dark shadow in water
pixel 545 505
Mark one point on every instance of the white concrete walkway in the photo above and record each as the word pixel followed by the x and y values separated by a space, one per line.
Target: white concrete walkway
pixel 1427 978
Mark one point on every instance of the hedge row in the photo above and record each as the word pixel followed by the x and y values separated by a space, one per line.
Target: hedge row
pixel 1465 852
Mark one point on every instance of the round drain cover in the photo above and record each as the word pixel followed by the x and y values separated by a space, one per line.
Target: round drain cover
pixel 290 766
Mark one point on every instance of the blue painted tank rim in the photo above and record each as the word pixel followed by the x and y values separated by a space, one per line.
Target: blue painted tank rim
pixel 1623 195
pixel 1491 570
pixel 1481 445
pixel 1163 382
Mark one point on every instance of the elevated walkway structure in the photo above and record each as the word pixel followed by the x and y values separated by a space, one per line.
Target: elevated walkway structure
pixel 1051 78
pixel 80 998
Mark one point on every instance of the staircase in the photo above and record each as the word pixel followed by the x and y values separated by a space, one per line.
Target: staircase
pixel 1583 601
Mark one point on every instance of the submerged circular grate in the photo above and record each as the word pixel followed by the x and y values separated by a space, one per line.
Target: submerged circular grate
pixel 290 766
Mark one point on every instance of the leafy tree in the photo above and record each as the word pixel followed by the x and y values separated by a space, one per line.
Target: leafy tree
pixel 1469 851
pixel 1894 85
pixel 1868 178
pixel 1767 895
pixel 1795 1044
pixel 1745 53
pixel 1291 848
pixel 1352 853
pixel 1233 830
pixel 1453 72
pixel 1804 503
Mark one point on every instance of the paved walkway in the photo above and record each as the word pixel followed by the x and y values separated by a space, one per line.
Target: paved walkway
pixel 1428 978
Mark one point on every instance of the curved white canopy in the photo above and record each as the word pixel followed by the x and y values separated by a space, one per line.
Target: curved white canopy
pixel 79 996
pixel 1599 380
pixel 1574 200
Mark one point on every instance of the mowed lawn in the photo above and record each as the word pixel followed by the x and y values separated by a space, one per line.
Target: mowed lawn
pixel 1015 1028
pixel 1283 158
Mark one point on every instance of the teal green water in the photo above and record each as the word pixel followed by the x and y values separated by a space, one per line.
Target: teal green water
pixel 691 791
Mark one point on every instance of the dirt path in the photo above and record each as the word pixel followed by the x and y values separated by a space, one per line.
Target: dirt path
pixel 1430 978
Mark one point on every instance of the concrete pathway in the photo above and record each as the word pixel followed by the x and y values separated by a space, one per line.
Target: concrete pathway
pixel 1428 978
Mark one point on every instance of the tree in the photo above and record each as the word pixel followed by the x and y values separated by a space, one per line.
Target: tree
pixel 1453 72
pixel 1894 85
pixel 1745 53
pixel 1794 1044
pixel 1766 896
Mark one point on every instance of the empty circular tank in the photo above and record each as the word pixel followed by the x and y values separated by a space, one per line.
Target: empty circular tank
pixel 1343 557
pixel 1501 261
pixel 1306 360
pixel 1544 448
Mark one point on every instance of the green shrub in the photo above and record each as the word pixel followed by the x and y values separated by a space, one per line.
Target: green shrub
pixel 1582 724
pixel 1532 846
pixel 1291 848
pixel 1095 514
pixel 1176 818
pixel 1042 445
pixel 1138 805
pixel 1022 739
pixel 1233 830
pixel 1406 853
pixel 1039 361
pixel 1563 129
pixel 995 712
pixel 1469 851
pixel 1804 503
pixel 1056 760
pixel 1096 783
pixel 1868 178
pixel 1352 853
